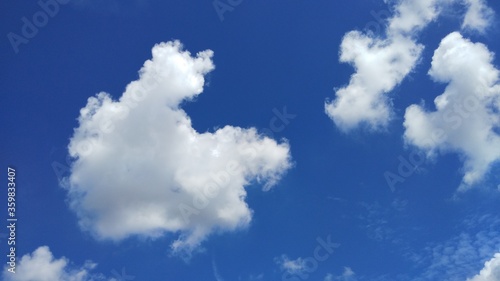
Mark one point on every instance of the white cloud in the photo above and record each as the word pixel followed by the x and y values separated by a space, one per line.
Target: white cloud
pixel 141 169
pixel 348 272
pixel 413 15
pixel 296 266
pixel 380 65
pixel 490 272
pixel 478 15
pixel 382 62
pixel 42 266
pixel 347 275
pixel 458 257
pixel 467 114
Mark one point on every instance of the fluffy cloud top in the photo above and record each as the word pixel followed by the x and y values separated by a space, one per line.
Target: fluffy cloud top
pixel 490 272
pixel 380 65
pixel 141 169
pixel 382 62
pixel 467 114
pixel 42 266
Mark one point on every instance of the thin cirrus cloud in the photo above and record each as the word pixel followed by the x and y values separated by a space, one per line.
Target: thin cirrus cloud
pixel 467 115
pixel 382 62
pixel 459 256
pixel 141 169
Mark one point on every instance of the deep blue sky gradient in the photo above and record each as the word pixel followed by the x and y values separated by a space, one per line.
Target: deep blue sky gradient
pixel 268 54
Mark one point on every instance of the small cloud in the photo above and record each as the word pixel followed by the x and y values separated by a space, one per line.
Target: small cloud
pixel 399 204
pixel 296 266
pixel 380 64
pixel 347 275
pixel 348 272
pixel 42 266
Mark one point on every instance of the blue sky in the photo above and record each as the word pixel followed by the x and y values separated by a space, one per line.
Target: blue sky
pixel 252 140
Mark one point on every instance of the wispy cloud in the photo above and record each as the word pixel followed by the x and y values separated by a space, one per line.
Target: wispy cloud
pixel 216 272
pixel 461 255
pixel 347 275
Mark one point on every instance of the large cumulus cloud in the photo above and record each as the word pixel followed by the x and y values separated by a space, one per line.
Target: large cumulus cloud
pixel 141 169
